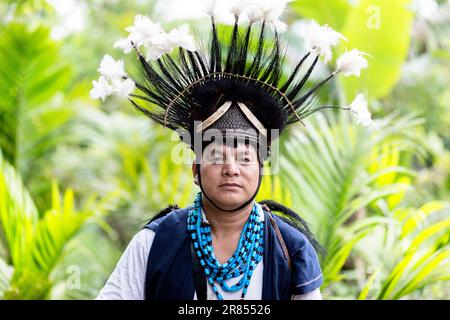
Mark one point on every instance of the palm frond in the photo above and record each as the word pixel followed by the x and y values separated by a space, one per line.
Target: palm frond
pixel 327 170
pixel 32 115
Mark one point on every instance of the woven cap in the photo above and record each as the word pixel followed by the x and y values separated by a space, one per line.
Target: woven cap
pixel 233 127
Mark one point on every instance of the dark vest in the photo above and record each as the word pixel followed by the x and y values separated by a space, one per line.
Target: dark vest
pixel 169 269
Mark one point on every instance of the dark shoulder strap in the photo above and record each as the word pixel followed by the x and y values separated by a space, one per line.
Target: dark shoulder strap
pixel 279 236
pixel 199 276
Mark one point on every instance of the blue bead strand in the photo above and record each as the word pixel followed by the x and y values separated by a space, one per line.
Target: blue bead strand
pixel 243 261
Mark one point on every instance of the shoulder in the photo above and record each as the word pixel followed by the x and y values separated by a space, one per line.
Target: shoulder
pixel 294 238
pixel 306 272
pixel 175 217
pixel 143 238
pixel 127 279
pixel 138 248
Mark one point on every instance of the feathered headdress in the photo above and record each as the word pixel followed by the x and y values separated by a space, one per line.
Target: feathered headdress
pixel 236 85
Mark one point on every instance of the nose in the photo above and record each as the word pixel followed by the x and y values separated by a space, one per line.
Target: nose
pixel 230 168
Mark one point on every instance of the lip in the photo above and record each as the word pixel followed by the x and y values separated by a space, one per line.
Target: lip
pixel 230 185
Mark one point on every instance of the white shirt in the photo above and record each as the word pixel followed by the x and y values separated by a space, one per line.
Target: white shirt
pixel 128 278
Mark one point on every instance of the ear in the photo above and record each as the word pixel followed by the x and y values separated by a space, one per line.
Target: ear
pixel 194 173
pixel 194 169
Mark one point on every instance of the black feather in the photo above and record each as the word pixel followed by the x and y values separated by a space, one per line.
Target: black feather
pixel 293 219
pixel 182 87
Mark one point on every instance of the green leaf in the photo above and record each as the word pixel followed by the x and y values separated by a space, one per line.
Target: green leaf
pixel 18 213
pixel 327 170
pixel 381 29
pixel 6 272
pixel 35 245
pixel 333 12
pixel 420 216
pixel 32 73
pixel 339 257
pixel 418 280
pixel 365 291
pixel 429 232
pixel 405 278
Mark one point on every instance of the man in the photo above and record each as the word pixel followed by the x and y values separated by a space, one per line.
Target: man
pixel 228 107
pixel 229 176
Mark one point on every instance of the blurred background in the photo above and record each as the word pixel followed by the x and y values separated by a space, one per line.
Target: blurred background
pixel 78 177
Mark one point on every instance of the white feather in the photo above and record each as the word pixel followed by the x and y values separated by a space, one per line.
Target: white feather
pixel 110 68
pixel 123 88
pixel 318 38
pixel 101 89
pixel 124 44
pixel 351 63
pixel 143 29
pixel 209 7
pixel 359 109
pixel 180 37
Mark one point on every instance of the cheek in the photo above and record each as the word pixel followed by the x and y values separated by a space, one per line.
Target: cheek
pixel 210 173
pixel 252 177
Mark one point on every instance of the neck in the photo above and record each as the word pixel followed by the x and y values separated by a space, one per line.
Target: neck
pixel 223 223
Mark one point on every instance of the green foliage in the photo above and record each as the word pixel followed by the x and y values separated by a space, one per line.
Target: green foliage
pixel 387 24
pixel 131 156
pixel 35 244
pixel 273 188
pixel 30 77
pixel 424 89
pixel 33 113
pixel 333 182
pixel 379 28
pixel 334 13
pixel 420 248
pixel 376 200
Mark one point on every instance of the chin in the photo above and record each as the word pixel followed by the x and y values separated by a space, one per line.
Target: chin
pixel 230 200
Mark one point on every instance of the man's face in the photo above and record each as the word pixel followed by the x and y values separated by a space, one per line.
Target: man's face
pixel 224 165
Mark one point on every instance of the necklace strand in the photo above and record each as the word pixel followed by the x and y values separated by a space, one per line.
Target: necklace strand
pixel 243 261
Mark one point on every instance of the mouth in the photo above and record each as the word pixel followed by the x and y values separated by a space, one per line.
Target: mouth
pixel 230 186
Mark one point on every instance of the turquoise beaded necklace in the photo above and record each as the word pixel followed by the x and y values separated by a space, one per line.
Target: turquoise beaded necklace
pixel 244 260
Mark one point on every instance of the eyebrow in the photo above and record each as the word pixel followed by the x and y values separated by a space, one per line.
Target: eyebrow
pixel 217 150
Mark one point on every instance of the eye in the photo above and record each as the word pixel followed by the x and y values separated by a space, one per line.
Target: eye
pixel 245 160
pixel 217 160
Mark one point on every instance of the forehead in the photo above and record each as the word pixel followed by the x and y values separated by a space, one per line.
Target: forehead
pixel 221 148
